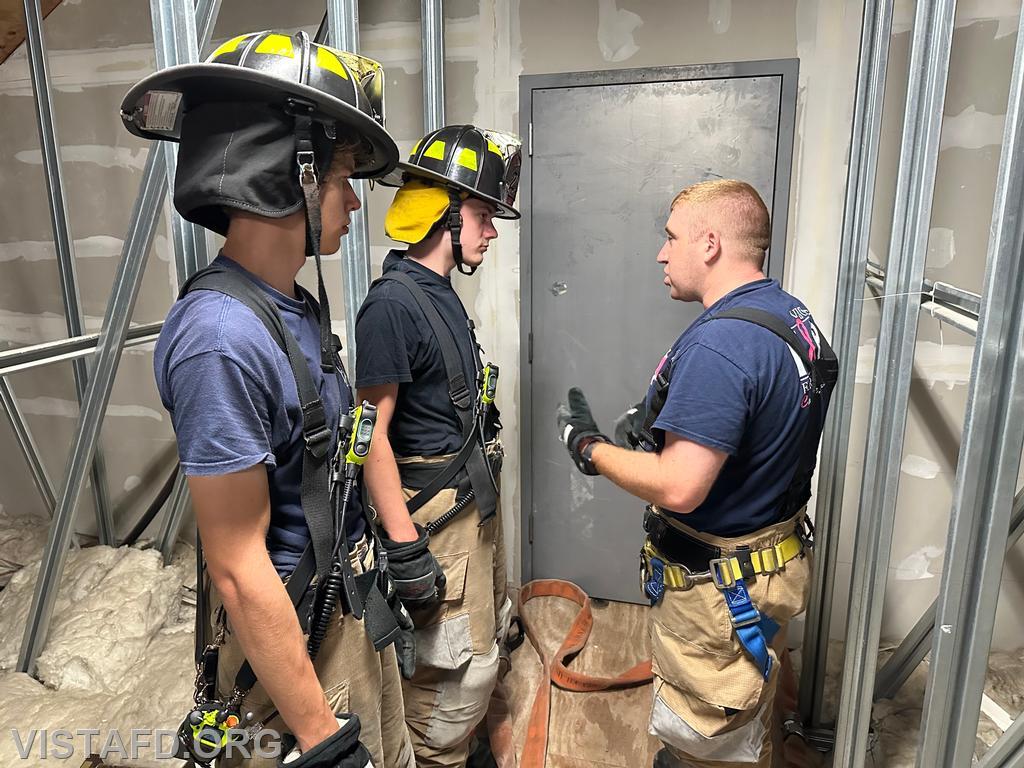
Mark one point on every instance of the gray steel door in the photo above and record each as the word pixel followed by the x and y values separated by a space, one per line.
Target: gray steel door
pixel 608 152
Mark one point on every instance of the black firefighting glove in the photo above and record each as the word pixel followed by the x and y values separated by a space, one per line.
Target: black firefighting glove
pixel 341 750
pixel 629 426
pixel 418 576
pixel 405 642
pixel 578 431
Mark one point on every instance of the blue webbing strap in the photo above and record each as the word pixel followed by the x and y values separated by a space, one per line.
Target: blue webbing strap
pixel 754 629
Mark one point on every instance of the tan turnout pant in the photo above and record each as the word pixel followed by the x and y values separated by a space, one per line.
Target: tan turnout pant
pixel 355 678
pixel 712 706
pixel 457 642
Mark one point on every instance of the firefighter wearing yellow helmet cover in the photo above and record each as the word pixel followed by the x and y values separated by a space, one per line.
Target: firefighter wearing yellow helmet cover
pixel 436 474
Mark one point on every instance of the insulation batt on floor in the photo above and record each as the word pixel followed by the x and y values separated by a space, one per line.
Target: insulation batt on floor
pixel 118 655
pixel 897 722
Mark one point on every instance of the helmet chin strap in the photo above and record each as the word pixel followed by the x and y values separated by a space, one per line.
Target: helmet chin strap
pixel 305 159
pixel 454 226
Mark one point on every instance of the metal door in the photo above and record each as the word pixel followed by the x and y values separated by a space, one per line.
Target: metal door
pixel 607 152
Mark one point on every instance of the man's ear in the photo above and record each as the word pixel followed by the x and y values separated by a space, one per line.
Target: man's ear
pixel 712 246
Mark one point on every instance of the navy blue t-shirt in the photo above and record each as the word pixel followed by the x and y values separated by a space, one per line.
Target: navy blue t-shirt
pixel 395 345
pixel 233 401
pixel 738 388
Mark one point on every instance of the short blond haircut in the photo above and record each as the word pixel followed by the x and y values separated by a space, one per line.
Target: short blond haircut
pixel 736 207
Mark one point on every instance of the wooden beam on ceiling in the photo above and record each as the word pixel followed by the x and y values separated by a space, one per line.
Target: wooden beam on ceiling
pixel 12 24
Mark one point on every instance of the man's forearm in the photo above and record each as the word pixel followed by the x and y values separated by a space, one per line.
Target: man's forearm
pixel 384 483
pixel 638 473
pixel 264 620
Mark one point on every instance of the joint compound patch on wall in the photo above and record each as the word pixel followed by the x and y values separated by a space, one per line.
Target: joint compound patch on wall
pixel 941 247
pixel 948 364
pixel 720 15
pixel 919 466
pixel 971 129
pixel 95 247
pixel 56 406
pixel 615 31
pixel 916 566
pixel 23 328
pixel 98 154
pixel 398 43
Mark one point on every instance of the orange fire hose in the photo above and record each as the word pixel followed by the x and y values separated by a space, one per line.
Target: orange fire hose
pixel 555 670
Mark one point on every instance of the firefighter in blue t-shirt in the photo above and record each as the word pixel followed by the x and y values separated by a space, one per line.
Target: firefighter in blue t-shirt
pixel 723 449
pixel 270 130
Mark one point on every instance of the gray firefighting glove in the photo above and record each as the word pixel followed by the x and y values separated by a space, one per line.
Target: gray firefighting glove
pixel 418 576
pixel 629 426
pixel 341 750
pixel 578 431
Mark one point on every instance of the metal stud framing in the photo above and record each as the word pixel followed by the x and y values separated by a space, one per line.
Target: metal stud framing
pixel 343 33
pixel 35 44
pixel 432 26
pixel 929 65
pixel 867 127
pixel 986 473
pixel 109 345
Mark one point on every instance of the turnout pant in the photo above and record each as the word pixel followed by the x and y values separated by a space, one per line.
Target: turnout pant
pixel 355 678
pixel 712 706
pixel 457 642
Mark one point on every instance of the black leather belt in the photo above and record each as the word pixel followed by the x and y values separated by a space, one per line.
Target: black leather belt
pixel 676 546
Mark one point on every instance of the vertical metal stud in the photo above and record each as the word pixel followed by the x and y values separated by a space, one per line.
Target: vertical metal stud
pixel 915 185
pixel 432 26
pixel 876 29
pixel 175 31
pixel 987 471
pixel 176 42
pixel 343 33
pixel 35 44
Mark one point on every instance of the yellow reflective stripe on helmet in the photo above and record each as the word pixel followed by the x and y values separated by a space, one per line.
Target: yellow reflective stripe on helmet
pixel 276 45
pixel 415 148
pixel 230 45
pixel 325 59
pixel 495 149
pixel 435 150
pixel 467 158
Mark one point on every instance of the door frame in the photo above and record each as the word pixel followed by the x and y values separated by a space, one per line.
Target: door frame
pixel 786 69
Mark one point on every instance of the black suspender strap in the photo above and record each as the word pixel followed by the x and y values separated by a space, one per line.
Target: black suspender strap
pixel 823 370
pixel 472 455
pixel 316 434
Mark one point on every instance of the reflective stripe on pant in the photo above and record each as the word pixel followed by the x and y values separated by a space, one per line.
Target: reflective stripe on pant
pixel 355 678
pixel 712 707
pixel 456 649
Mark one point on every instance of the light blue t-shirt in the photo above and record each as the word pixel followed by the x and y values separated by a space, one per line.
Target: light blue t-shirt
pixel 233 401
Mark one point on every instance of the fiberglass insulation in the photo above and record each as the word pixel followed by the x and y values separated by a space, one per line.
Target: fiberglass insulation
pixel 118 654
